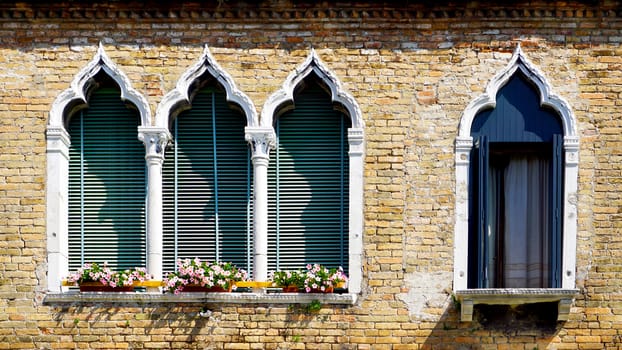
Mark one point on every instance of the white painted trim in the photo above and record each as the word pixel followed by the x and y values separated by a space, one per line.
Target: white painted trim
pixel 283 100
pixel 464 143
pixel 67 103
pixel 180 98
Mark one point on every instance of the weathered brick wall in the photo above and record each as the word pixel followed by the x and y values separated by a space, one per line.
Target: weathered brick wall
pixel 412 69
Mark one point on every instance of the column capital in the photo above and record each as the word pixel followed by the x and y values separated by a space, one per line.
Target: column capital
pixel 155 140
pixel 58 140
pixel 262 139
pixel 571 147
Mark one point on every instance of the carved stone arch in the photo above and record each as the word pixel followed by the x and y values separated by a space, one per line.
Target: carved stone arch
pixel 464 143
pixel 283 99
pixel 66 104
pixel 76 96
pixel 519 62
pixel 180 98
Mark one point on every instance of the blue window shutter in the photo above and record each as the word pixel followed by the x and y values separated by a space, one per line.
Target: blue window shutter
pixel 557 180
pixel 478 213
pixel 517 116
pixel 308 185
pixel 207 177
pixel 106 184
pixel 482 195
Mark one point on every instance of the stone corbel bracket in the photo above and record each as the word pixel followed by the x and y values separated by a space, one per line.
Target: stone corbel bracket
pixel 515 296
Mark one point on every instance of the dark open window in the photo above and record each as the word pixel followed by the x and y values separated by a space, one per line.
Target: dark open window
pixel 516 193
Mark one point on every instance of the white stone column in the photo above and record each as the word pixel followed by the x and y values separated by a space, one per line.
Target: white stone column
pixel 155 140
pixel 356 154
pixel 461 228
pixel 569 241
pixel 58 142
pixel 261 140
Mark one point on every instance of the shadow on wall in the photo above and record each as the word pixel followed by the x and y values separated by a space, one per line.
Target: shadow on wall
pixel 106 209
pixel 198 326
pixel 534 326
pixel 184 325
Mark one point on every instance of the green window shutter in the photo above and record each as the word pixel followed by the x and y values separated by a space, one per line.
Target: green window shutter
pixel 207 177
pixel 106 184
pixel 308 185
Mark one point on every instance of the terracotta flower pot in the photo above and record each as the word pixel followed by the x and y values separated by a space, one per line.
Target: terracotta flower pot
pixel 100 287
pixel 290 289
pixel 195 288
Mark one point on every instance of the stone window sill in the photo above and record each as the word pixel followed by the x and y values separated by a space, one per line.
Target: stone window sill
pixel 75 297
pixel 515 296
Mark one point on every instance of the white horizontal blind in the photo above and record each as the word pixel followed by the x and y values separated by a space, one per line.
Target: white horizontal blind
pixel 106 184
pixel 308 185
pixel 206 185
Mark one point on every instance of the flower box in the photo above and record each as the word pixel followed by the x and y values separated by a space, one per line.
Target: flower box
pixel 92 277
pixel 291 289
pixel 315 279
pixel 196 288
pixel 100 287
pixel 203 274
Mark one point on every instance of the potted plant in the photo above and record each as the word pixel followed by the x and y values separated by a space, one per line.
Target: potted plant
pixel 92 277
pixel 194 275
pixel 289 281
pixel 320 279
pixel 314 279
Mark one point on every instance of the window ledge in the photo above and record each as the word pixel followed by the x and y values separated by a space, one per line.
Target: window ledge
pixel 75 297
pixel 515 296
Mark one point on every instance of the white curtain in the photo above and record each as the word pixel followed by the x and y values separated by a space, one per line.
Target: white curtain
pixel 493 206
pixel 526 223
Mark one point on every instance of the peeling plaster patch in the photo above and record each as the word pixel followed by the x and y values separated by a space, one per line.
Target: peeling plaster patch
pixel 426 292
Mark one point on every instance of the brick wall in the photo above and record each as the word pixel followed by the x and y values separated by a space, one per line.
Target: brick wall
pixel 413 69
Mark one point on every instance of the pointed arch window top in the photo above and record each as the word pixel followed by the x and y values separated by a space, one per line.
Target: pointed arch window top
pixel 179 99
pixel 519 63
pixel 76 96
pixel 312 65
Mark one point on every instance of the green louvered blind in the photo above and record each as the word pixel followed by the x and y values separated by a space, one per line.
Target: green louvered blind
pixel 308 185
pixel 207 177
pixel 106 184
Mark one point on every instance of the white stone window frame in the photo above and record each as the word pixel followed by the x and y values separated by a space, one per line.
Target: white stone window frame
pixel 66 104
pixel 176 101
pixel 283 100
pixel 156 137
pixel 464 144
